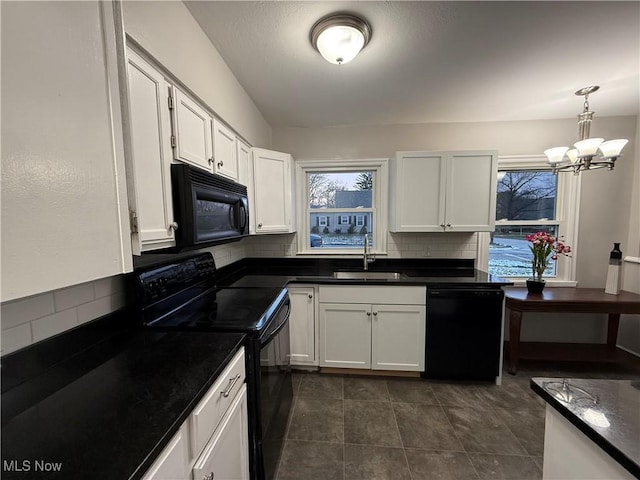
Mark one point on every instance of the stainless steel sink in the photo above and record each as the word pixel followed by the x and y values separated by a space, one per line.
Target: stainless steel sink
pixel 369 275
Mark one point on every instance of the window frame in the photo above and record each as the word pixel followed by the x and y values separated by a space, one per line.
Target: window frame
pixel 379 210
pixel 567 218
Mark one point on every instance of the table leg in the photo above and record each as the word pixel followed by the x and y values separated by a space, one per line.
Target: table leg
pixel 515 322
pixel 612 330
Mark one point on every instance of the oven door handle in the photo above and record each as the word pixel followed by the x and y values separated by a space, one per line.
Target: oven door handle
pixel 271 334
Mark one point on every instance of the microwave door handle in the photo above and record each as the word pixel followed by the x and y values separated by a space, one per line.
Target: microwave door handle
pixel 232 221
pixel 243 216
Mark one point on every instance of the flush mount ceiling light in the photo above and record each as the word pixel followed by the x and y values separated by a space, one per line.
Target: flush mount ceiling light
pixel 589 153
pixel 340 37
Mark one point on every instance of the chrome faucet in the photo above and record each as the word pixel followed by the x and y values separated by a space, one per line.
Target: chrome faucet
pixel 367 257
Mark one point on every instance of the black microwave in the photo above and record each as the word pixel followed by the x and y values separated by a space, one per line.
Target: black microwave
pixel 210 209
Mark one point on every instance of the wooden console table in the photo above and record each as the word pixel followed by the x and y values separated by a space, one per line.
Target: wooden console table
pixel 566 300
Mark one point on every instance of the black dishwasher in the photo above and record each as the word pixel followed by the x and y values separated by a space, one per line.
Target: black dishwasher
pixel 464 326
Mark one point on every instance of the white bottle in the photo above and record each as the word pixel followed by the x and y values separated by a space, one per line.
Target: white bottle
pixel 614 272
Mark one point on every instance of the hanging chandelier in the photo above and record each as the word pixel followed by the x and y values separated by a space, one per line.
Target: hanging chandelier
pixel 588 153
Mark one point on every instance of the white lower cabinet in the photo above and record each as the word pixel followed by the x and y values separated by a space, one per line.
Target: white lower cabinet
pixel 303 326
pixel 345 333
pixel 213 443
pixel 389 334
pixel 173 462
pixel 226 456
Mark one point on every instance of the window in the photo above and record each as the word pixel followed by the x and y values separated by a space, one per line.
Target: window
pixel 341 202
pixel 529 199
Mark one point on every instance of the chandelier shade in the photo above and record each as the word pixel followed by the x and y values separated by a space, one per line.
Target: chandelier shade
pixel 588 153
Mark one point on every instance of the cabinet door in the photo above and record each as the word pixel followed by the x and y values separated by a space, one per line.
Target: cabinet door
pixel 243 156
pixel 150 132
pixel 64 198
pixel 192 131
pixel 398 337
pixel 225 161
pixel 302 326
pixel 418 192
pixel 345 335
pixel 173 462
pixel 226 456
pixel 272 191
pixel 471 191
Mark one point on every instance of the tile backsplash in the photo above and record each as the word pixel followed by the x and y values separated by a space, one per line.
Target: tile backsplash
pixel 31 319
pixel 399 245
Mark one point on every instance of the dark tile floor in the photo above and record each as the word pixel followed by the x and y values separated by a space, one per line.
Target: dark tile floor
pixel 373 428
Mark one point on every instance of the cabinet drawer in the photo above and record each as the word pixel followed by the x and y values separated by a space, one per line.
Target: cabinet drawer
pixel 391 295
pixel 212 407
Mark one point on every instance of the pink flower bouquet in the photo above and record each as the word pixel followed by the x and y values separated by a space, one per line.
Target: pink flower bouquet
pixel 542 247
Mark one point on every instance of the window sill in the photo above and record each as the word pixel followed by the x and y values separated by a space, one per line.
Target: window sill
pixel 629 259
pixel 522 282
pixel 337 253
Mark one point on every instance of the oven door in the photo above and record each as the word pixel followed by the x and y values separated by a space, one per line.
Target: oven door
pixel 276 390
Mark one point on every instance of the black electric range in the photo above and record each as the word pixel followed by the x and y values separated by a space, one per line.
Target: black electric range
pixel 182 295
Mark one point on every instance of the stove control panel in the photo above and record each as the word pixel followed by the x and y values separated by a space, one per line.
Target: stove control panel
pixel 168 279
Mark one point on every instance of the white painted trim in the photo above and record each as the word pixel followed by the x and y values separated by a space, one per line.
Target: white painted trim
pixel 629 259
pixel 115 61
pixel 568 214
pixel 380 208
pixel 628 350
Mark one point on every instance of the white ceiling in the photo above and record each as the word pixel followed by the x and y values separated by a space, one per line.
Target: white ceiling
pixel 432 61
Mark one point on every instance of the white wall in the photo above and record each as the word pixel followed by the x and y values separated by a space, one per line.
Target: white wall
pixel 606 200
pixel 629 335
pixel 170 34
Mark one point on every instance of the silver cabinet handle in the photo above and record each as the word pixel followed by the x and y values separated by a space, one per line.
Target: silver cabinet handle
pixel 209 476
pixel 220 163
pixel 368 314
pixel 375 314
pixel 448 224
pixel 210 161
pixel 173 226
pixel 442 225
pixel 310 296
pixel 232 381
pixel 259 225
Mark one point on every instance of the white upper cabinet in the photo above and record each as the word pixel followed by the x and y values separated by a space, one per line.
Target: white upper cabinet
pixel 64 194
pixel 192 127
pixel 149 173
pixel 271 209
pixel 470 204
pixel 443 191
pixel 243 156
pixel 225 160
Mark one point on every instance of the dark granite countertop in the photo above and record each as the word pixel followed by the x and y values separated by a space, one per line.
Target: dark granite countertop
pixel 278 272
pixel 109 408
pixel 613 423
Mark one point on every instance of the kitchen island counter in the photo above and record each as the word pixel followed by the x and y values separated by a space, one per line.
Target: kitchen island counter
pixel 601 437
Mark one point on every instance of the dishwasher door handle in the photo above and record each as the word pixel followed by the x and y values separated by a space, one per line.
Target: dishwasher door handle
pixel 464 293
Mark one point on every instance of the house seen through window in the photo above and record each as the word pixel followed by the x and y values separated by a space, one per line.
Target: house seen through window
pixel 340 209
